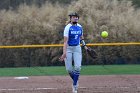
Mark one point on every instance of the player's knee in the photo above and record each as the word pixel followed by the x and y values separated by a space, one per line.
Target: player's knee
pixel 77 68
pixel 69 70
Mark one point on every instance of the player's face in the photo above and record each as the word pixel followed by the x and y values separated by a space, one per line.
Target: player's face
pixel 74 19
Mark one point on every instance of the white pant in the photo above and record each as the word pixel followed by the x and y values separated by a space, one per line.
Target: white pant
pixel 73 53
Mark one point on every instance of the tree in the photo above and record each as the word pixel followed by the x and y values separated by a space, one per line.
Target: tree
pixel 136 2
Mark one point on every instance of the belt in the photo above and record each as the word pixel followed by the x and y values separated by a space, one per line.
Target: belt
pixel 73 45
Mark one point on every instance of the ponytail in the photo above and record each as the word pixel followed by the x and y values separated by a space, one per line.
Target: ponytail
pixel 67 22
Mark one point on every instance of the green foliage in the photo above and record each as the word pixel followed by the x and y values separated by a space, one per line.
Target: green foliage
pixel 136 2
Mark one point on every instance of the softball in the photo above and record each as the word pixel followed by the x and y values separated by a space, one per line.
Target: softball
pixel 104 34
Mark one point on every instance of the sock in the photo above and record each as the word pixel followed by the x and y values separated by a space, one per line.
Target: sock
pixel 76 77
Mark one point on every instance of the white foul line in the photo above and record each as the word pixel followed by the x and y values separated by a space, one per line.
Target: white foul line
pixel 21 89
pixel 4 89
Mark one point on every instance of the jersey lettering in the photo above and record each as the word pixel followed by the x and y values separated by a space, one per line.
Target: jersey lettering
pixel 75 32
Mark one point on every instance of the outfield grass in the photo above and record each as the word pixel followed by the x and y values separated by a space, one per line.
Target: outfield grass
pixel 60 70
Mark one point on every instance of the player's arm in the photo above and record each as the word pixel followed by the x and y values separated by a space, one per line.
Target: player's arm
pixel 65 44
pixel 90 51
pixel 64 49
pixel 83 42
pixel 66 30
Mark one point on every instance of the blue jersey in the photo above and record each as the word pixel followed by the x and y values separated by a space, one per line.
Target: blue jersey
pixel 73 32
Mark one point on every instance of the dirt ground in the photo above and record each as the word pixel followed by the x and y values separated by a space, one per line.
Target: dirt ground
pixel 62 84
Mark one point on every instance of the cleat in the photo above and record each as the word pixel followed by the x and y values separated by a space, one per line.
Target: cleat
pixel 74 88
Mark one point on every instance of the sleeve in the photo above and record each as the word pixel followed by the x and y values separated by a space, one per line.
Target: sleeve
pixel 66 31
pixel 81 28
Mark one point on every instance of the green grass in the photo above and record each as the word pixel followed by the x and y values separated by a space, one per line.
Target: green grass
pixel 60 70
pixel 111 70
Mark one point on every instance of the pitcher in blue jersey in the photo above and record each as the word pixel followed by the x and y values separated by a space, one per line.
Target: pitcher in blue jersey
pixel 73 33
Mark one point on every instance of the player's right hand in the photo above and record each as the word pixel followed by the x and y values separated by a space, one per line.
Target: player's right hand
pixel 62 57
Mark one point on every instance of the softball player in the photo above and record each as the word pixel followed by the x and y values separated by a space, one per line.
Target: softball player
pixel 73 33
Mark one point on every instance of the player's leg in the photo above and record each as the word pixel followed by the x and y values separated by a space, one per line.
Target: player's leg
pixel 68 62
pixel 77 64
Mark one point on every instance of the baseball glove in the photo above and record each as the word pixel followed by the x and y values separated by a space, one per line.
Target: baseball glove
pixel 92 53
